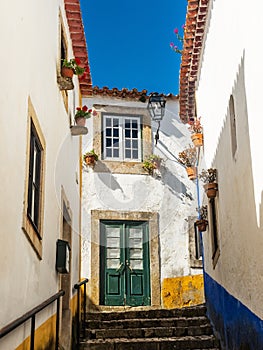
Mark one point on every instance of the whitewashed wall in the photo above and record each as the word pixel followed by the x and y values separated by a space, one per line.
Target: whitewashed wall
pixel 30 39
pixel 172 195
pixel 231 65
pixel 235 31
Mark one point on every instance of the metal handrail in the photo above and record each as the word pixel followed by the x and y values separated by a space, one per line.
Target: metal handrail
pixel 32 314
pixel 77 286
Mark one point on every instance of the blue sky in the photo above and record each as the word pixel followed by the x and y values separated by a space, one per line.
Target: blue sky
pixel 129 43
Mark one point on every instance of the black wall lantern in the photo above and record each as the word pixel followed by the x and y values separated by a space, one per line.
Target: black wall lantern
pixel 156 106
pixel 63 256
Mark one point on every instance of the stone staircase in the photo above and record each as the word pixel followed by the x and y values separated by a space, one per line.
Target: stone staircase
pixel 153 329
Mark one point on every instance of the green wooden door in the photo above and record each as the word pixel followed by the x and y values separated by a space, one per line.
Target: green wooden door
pixel 125 273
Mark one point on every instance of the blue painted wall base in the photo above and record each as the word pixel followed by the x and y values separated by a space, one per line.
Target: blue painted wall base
pixel 235 325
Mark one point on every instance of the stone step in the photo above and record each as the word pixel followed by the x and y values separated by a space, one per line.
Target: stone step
pixel 149 332
pixel 199 310
pixel 147 323
pixel 171 343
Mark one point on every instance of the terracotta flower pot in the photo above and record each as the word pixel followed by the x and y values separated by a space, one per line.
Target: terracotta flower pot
pixel 67 72
pixel 90 160
pixel 197 139
pixel 211 189
pixel 81 121
pixel 191 172
pixel 201 225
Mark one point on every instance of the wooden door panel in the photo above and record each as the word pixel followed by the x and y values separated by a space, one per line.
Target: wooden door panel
pixel 125 263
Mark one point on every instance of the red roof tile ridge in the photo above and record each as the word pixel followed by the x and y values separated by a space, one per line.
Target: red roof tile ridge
pixel 196 16
pixel 124 93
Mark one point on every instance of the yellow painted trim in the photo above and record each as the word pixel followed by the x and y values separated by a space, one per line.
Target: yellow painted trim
pixel 45 336
pixel 183 291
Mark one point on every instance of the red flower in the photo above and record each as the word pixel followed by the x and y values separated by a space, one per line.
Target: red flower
pixel 78 61
pixel 85 108
pixel 176 31
pixel 78 109
pixel 90 110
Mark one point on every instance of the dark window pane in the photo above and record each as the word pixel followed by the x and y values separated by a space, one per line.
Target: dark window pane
pixel 115 142
pixel 135 154
pixel 108 152
pixel 108 121
pixel 127 153
pixel 127 133
pixel 115 132
pixel 134 124
pixel 115 122
pixel 108 132
pixel 134 143
pixel 34 179
pixel 127 124
pixel 127 143
pixel 115 153
pixel 108 142
pixel 134 134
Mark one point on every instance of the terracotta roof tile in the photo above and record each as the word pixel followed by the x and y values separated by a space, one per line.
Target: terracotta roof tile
pixel 76 28
pixel 193 40
pixel 132 94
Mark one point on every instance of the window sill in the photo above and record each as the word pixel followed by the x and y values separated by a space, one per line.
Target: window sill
pixel 104 166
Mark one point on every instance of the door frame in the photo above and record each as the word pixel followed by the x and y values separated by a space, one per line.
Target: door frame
pixel 153 224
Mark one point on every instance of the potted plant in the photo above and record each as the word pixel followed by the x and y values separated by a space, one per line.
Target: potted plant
pixel 83 113
pixel 90 157
pixel 196 130
pixel 70 67
pixel 209 178
pixel 188 159
pixel 202 222
pixel 151 163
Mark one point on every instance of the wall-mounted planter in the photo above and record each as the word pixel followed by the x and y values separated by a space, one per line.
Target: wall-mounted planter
pixel 191 172
pixel 211 189
pixel 81 121
pixel 90 160
pixel 67 72
pixel 201 225
pixel 197 139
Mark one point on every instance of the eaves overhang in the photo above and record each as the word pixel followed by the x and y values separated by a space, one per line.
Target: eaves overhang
pixel 194 31
pixel 77 34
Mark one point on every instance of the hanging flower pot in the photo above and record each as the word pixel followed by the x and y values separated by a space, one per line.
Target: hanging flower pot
pixel 201 225
pixel 67 72
pixel 211 189
pixel 90 157
pixel 151 163
pixel 80 121
pixel 191 172
pixel 196 130
pixel 89 160
pixel 71 67
pixel 197 139
pixel 209 177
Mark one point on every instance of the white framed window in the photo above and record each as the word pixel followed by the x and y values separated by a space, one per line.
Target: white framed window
pixel 122 137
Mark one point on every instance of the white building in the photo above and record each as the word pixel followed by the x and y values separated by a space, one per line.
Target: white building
pixel 40 173
pixel 136 226
pixel 221 67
